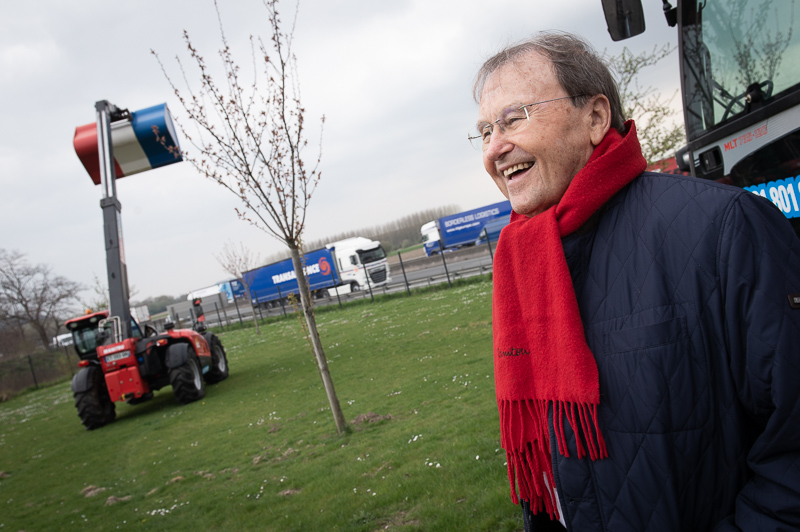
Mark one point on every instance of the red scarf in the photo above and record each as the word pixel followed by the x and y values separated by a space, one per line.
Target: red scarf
pixel 541 357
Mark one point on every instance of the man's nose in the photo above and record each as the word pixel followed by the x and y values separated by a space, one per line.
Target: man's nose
pixel 498 145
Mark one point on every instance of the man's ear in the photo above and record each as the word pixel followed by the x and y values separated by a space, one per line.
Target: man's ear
pixel 599 118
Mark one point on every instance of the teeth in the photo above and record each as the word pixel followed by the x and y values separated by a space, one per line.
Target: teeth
pixel 515 168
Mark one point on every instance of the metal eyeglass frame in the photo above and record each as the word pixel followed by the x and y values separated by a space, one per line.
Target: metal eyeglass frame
pixel 472 136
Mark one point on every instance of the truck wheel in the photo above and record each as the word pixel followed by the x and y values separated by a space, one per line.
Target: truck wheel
pixel 355 287
pixel 219 362
pixel 95 407
pixel 187 382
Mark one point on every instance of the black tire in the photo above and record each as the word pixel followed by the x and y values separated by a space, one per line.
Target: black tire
pixel 187 380
pixel 94 406
pixel 219 362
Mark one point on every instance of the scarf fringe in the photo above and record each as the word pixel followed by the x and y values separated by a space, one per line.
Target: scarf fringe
pixel 525 435
pixel 544 367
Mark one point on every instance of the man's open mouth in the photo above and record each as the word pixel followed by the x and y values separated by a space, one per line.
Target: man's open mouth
pixel 517 169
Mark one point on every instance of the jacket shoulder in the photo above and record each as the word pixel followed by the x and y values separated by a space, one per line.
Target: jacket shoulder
pixel 674 195
pixel 657 186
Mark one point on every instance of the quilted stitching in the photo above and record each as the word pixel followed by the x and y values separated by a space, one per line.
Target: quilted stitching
pixel 659 253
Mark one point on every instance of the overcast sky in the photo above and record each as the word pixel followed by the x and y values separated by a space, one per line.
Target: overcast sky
pixel 393 80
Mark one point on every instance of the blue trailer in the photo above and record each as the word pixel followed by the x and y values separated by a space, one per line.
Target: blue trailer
pixel 463 229
pixel 270 283
pixel 492 229
pixel 231 289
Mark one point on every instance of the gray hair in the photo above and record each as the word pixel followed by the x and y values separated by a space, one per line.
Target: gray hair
pixel 576 65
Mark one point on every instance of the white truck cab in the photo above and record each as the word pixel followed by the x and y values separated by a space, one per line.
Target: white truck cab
pixel 357 256
pixel 430 237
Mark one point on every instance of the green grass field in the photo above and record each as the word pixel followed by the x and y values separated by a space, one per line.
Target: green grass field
pixel 261 452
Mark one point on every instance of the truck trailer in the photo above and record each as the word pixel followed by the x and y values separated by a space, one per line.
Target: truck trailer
pixel 228 289
pixel 492 230
pixel 451 232
pixel 348 265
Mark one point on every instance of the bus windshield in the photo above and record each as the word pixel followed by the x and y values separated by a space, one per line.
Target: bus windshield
pixel 732 48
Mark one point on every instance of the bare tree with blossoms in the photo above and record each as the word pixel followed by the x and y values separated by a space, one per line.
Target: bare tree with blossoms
pixel 250 138
pixel 237 261
pixel 660 133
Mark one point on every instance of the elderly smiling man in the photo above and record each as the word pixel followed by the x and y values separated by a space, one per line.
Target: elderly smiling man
pixel 646 342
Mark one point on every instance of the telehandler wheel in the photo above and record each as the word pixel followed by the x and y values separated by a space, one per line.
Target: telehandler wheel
pixel 187 382
pixel 95 407
pixel 219 362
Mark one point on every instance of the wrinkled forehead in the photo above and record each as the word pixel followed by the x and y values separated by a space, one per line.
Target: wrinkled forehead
pixel 520 81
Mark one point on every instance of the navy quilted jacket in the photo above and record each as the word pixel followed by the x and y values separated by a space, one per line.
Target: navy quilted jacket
pixel 683 289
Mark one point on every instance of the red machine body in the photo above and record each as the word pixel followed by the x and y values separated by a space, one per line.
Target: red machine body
pixel 119 361
pixel 121 370
pixel 131 369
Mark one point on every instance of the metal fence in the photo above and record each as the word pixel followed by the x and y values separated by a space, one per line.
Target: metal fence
pixel 410 270
pixel 35 370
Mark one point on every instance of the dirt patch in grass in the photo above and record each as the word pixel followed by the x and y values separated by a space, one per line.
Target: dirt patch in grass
pixel 370 417
pixel 91 491
pixel 374 472
pixel 399 519
pixel 266 457
pixel 114 500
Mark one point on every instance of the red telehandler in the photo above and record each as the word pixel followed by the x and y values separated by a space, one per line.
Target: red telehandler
pixel 132 368
pixel 119 361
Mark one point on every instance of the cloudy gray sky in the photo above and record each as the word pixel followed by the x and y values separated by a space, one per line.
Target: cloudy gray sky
pixel 393 80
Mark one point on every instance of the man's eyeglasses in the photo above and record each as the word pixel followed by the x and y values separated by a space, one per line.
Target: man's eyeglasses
pixel 511 121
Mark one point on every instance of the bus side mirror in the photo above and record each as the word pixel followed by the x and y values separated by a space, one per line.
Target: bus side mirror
pixel 624 18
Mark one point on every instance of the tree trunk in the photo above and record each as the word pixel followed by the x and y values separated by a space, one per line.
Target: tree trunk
pixel 41 330
pixel 319 353
pixel 252 307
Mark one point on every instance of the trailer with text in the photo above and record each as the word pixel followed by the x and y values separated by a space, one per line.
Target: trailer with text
pixel 347 265
pixel 461 229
